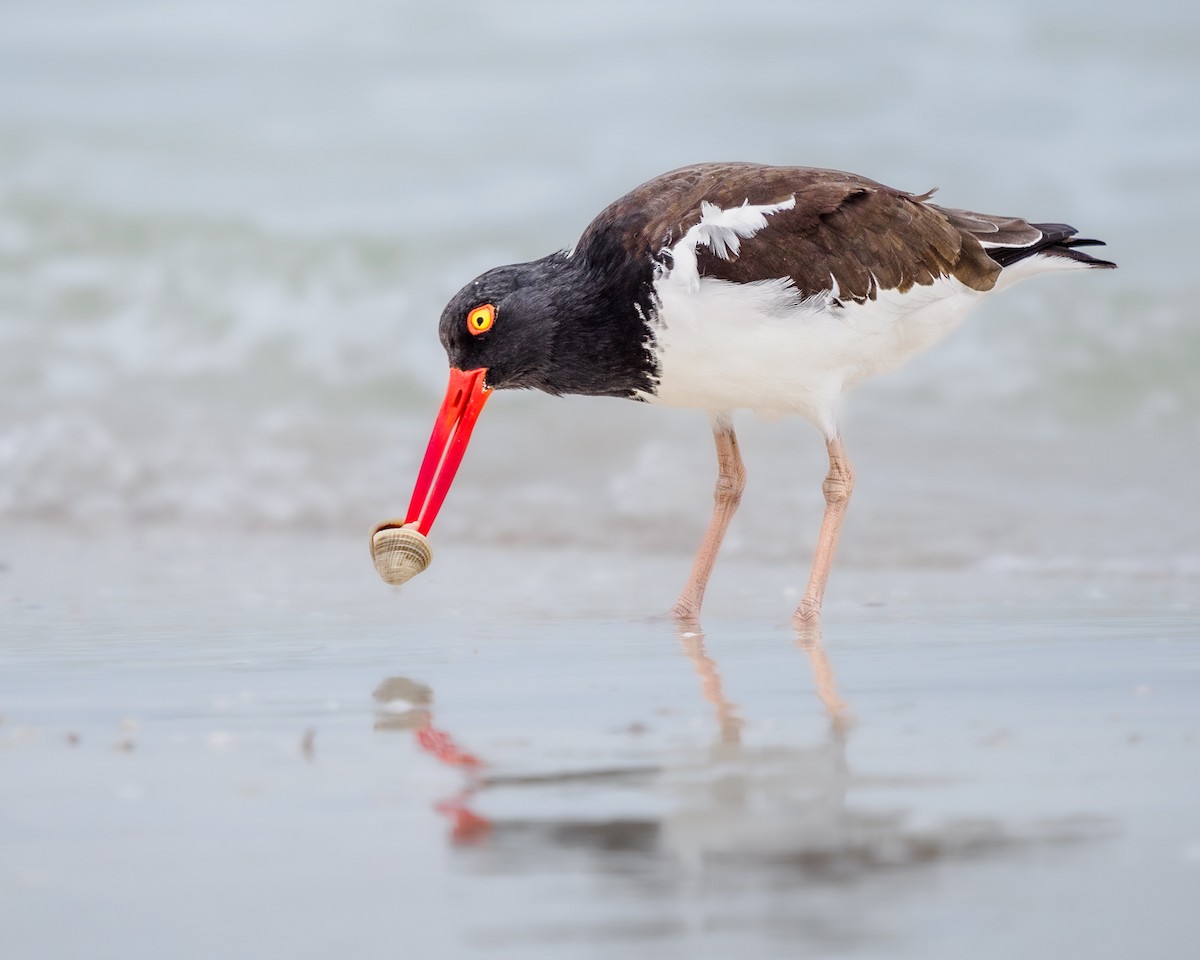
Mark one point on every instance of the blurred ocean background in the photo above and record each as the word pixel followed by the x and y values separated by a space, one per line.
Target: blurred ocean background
pixel 227 230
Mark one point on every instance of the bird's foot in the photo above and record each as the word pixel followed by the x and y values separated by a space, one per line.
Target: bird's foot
pixel 686 613
pixel 808 613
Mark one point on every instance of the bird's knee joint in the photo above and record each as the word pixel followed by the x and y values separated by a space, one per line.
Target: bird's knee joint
pixel 730 485
pixel 838 486
pixel 729 490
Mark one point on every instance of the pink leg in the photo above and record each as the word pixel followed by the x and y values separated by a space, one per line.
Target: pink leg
pixel 839 483
pixel 731 480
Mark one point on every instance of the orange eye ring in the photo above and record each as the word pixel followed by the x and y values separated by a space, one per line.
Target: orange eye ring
pixel 480 319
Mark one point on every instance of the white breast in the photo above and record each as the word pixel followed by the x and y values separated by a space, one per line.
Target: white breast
pixel 724 346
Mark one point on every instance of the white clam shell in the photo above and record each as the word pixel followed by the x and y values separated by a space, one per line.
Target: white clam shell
pixel 400 553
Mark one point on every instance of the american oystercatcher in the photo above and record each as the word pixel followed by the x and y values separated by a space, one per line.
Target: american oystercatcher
pixel 723 286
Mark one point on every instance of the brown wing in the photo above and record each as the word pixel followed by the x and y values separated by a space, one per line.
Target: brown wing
pixel 843 227
pixel 992 231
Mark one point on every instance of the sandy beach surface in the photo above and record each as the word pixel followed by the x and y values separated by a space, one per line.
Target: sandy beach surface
pixel 249 746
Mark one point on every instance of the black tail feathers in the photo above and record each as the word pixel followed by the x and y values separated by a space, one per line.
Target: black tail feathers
pixel 1057 240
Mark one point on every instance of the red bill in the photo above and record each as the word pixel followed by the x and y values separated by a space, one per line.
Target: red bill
pixel 465 397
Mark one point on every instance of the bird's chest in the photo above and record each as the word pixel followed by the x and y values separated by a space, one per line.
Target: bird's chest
pixel 724 346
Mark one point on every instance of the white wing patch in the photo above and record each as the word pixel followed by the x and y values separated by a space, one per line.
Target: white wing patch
pixel 997 245
pixel 722 231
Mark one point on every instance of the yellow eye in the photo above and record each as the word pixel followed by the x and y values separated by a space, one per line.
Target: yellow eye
pixel 480 319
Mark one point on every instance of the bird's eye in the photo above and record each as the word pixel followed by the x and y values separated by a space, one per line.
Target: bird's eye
pixel 480 319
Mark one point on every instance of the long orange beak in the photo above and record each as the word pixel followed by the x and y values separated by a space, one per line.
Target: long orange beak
pixel 465 397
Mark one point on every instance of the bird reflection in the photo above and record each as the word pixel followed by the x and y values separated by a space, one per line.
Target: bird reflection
pixel 757 801
pixel 755 828
pixel 750 806
pixel 407 705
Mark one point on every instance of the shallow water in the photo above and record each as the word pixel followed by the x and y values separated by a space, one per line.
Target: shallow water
pixel 206 748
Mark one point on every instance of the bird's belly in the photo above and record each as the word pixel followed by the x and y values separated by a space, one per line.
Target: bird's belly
pixel 727 346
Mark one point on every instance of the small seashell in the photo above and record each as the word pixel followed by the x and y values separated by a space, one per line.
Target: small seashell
pixel 399 552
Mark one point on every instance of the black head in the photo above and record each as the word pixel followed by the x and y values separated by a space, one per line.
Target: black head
pixel 504 321
pixel 554 324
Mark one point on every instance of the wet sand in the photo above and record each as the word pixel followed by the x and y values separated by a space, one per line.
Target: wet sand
pixel 250 746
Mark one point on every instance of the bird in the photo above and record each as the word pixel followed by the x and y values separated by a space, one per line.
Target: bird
pixel 731 286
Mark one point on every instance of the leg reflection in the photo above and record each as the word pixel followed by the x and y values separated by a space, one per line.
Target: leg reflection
pixel 808 639
pixel 728 720
pixel 764 798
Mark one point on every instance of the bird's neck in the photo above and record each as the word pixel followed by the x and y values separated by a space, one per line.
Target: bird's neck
pixel 602 338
